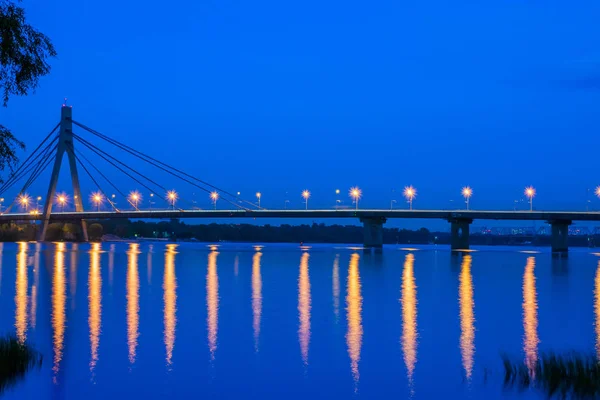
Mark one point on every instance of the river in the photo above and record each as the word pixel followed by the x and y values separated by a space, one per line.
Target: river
pixel 242 321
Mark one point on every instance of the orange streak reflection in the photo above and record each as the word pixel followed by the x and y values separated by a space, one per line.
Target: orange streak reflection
pixel 354 316
pixel 256 297
pixel 21 293
pixel 467 316
pixel 59 297
pixel 212 302
pixel 530 318
pixel 95 303
pixel 409 317
pixel 133 300
pixel 170 300
pixel 304 307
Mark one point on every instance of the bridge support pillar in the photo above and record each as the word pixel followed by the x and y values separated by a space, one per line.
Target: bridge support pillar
pixel 373 232
pixel 560 236
pixel 459 233
pixel 64 145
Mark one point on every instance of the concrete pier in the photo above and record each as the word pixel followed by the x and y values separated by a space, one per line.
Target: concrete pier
pixel 459 231
pixel 560 236
pixel 373 232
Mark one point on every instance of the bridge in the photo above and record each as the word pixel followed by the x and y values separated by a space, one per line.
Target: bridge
pixel 61 141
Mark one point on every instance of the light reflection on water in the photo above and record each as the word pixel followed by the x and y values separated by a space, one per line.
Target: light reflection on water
pixel 282 300
pixel 170 301
pixel 409 318
pixel 21 293
pixel 133 301
pixel 467 316
pixel 530 316
pixel 95 303
pixel 59 297
pixel 212 301
pixel 354 301
pixel 256 297
pixel 304 301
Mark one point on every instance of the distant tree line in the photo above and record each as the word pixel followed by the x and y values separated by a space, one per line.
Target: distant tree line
pixel 315 233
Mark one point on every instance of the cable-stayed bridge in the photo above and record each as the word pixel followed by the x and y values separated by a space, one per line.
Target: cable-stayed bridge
pixel 62 140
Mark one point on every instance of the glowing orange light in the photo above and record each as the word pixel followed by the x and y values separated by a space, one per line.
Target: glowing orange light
pixel 467 192
pixel 598 191
pixel 530 192
pixel 135 197
pixel 410 193
pixel 306 194
pixel 24 199
pixel 214 196
pixel 97 198
pixel 258 195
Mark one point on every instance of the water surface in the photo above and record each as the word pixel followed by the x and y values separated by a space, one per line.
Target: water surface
pixel 154 320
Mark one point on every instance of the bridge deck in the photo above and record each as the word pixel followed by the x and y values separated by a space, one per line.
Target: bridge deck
pixel 316 214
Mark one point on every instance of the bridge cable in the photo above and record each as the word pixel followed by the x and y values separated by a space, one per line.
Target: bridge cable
pixel 88 144
pixel 94 180
pixel 12 177
pixel 104 176
pixel 146 158
pixel 91 147
pixel 179 177
pixel 26 166
pixel 123 164
pixel 40 167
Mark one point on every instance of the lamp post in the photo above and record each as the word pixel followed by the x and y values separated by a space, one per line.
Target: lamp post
pixel 530 192
pixel 467 192
pixel 258 196
pixel 24 200
pixel 214 197
pixel 410 193
pixel 306 196
pixel 355 193
pixel 61 199
pixel 172 196
pixel 392 204
pixel 135 197
pixel 97 200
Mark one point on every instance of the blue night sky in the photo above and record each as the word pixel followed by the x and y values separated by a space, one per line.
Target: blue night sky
pixel 278 96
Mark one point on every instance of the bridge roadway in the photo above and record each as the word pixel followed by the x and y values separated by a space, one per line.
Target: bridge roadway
pixel 372 219
pixel 317 214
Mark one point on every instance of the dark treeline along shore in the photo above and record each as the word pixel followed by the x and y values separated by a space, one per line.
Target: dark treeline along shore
pixel 315 233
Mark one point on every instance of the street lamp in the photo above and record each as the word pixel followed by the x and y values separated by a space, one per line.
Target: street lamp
pixel 258 196
pixel 1 203
pixel 172 196
pixel 530 192
pixel 467 192
pixel 150 200
pixel 392 204
pixel 410 193
pixel 214 197
pixel 306 196
pixel 61 199
pixel 355 193
pixel 135 197
pixel 597 192
pixel 24 200
pixel 97 200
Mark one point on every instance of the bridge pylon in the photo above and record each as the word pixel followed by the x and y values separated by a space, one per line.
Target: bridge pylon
pixel 65 145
